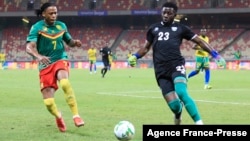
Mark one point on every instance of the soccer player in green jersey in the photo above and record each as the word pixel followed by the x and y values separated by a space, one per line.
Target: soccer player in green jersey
pixel 237 57
pixel 202 60
pixel 92 59
pixel 46 43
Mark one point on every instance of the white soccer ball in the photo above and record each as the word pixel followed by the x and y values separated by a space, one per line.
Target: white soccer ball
pixel 124 130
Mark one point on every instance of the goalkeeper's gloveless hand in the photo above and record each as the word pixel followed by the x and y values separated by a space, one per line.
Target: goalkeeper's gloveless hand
pixel 132 60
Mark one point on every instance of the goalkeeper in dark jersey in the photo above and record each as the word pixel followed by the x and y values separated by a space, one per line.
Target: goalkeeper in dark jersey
pixel 165 38
pixel 46 43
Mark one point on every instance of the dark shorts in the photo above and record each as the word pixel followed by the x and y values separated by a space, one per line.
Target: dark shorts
pixel 105 62
pixel 166 73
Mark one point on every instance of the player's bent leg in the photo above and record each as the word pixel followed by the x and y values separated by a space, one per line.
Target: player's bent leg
pixel 69 95
pixel 51 106
pixel 181 90
pixel 175 105
pixel 193 73
pixel 105 69
pixel 207 79
pixel 71 101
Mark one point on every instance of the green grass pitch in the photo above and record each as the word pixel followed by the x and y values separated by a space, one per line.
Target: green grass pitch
pixel 124 94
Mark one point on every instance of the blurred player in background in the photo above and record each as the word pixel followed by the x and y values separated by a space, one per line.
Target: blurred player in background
pixel 202 60
pixel 92 59
pixel 112 58
pixel 110 61
pixel 105 53
pixel 46 42
pixel 2 59
pixel 165 38
pixel 237 56
pixel 128 55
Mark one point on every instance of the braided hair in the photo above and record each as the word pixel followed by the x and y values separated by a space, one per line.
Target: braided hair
pixel 39 12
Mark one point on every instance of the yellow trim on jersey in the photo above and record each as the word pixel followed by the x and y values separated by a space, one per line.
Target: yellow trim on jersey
pixel 200 52
pixel 52 36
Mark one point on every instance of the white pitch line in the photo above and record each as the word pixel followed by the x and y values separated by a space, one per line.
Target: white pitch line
pixel 126 94
pixel 219 102
pixel 150 91
pixel 103 93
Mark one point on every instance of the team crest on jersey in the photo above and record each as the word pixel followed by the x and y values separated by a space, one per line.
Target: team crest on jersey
pixel 174 28
pixel 58 27
pixel 156 29
pixel 45 29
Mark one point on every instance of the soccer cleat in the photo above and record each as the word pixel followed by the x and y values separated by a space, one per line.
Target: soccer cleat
pixel 61 124
pixel 78 121
pixel 199 122
pixel 206 87
pixel 177 119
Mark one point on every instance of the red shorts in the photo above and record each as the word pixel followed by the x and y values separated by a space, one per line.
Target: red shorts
pixel 48 76
pixel 237 62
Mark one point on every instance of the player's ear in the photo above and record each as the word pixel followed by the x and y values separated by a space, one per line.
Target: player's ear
pixel 43 14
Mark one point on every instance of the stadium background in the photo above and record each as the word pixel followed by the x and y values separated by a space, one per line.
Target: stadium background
pixel 123 23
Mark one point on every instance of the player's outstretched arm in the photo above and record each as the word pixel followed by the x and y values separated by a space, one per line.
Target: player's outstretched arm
pixel 219 60
pixel 139 54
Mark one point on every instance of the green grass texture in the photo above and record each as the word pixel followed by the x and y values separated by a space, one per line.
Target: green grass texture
pixel 124 94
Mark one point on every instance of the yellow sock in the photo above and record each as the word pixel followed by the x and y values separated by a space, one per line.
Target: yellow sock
pixel 51 106
pixel 69 95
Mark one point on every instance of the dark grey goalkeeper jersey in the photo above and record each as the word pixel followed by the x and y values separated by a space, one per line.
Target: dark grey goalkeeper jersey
pixel 166 41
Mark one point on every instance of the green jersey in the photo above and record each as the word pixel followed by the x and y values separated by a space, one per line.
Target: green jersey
pixel 50 40
pixel 237 55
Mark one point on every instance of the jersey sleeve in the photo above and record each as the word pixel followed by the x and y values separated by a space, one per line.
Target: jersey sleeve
pixel 150 35
pixel 33 34
pixel 66 37
pixel 188 34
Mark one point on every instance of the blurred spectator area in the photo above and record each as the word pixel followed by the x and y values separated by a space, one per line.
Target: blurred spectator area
pixel 13 44
pixel 219 40
pixel 96 37
pixel 131 40
pixel 75 5
pixel 242 43
pixel 123 41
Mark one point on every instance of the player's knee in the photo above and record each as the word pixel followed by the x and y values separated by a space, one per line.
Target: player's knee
pixel 180 86
pixel 65 84
pixel 49 102
pixel 175 106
